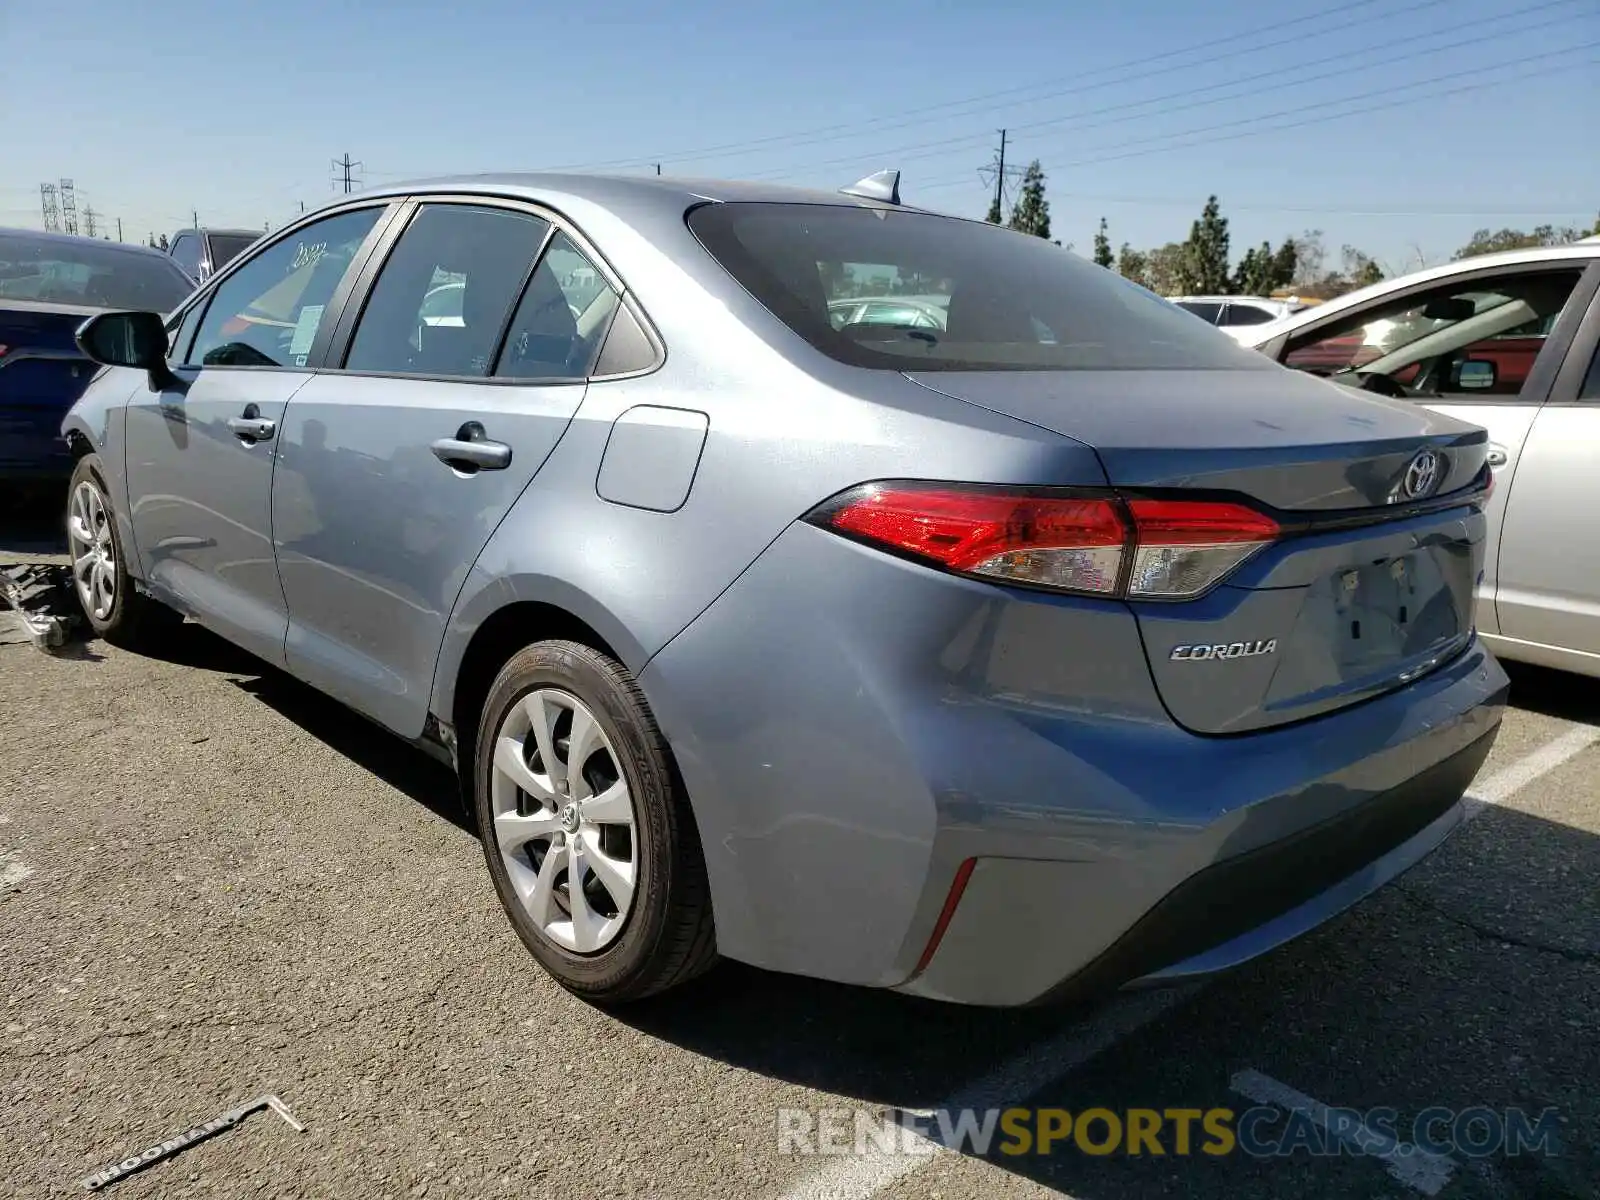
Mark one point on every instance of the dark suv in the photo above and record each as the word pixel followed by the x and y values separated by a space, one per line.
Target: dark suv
pixel 202 251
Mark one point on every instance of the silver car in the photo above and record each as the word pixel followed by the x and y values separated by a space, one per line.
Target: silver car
pixel 1511 342
pixel 1062 645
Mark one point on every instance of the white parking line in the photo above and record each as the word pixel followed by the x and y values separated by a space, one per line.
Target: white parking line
pixel 1507 781
pixel 1413 1166
pixel 860 1176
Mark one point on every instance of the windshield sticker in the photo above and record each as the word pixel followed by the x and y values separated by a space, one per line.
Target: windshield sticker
pixel 305 331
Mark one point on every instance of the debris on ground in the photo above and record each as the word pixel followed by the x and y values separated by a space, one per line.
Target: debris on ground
pixel 45 601
pixel 198 1133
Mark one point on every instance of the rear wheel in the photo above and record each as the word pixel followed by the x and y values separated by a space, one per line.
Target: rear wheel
pixel 586 830
pixel 114 610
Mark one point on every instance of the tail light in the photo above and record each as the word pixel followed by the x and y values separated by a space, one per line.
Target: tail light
pixel 1092 544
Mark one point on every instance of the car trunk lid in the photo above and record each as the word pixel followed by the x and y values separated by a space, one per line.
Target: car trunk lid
pixel 1367 588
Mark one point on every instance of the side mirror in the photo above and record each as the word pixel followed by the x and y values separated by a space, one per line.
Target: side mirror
pixel 127 339
pixel 1472 375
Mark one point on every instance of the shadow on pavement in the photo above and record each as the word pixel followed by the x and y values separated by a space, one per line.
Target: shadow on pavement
pixel 1555 693
pixel 390 758
pixel 31 523
pixel 399 764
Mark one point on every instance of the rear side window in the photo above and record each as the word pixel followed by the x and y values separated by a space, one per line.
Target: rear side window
pixel 562 318
pixel 225 247
pixel 442 298
pixel 1206 311
pixel 1005 300
pixel 1245 314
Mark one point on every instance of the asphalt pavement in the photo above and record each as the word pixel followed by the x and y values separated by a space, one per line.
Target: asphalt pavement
pixel 216 884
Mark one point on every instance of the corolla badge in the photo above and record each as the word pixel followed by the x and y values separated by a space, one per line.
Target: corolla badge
pixel 1422 475
pixel 1223 650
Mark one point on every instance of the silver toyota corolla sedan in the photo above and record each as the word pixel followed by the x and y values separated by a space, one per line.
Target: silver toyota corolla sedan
pixel 1064 646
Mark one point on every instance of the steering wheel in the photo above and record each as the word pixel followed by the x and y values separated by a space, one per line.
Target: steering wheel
pixel 1373 381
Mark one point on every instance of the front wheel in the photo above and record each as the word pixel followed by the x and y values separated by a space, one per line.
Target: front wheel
pixel 586 830
pixel 114 610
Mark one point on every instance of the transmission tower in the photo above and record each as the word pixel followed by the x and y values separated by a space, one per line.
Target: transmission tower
pixel 52 210
pixel 342 168
pixel 999 173
pixel 88 219
pixel 69 207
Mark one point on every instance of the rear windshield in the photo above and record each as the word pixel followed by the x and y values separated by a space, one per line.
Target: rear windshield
pixel 84 271
pixel 985 298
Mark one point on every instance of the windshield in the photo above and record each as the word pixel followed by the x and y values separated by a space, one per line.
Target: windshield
pixel 225 247
pixel 84 271
pixel 1005 300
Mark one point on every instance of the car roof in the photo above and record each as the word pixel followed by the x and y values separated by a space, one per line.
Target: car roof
pixel 74 239
pixel 622 194
pixel 1233 299
pixel 1530 256
pixel 220 229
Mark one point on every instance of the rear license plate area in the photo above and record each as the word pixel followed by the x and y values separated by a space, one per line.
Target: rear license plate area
pixel 1391 610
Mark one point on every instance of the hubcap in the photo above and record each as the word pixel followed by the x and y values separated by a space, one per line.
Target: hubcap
pixel 564 821
pixel 94 560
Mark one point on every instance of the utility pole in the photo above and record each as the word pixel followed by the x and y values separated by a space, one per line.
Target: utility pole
pixel 658 168
pixel 69 207
pixel 1000 178
pixel 119 229
pixel 88 220
pixel 345 164
pixel 52 211
pixel 194 218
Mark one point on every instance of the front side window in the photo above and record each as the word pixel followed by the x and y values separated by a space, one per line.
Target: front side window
pixel 268 312
pixel 562 319
pixel 1479 336
pixel 1009 301
pixel 441 301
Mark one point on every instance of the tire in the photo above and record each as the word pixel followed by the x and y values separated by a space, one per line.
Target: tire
pixel 663 936
pixel 132 619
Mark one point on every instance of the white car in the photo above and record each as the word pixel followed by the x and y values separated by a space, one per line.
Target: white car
pixel 1509 342
pixel 1238 316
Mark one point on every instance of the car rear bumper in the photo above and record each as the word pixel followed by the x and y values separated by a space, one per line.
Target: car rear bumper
pixel 1212 920
pixel 853 728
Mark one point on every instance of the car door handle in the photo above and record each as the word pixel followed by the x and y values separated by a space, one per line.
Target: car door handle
pixel 1497 456
pixel 255 429
pixel 471 449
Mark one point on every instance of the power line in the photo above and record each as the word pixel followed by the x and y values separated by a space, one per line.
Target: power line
pixel 1186 96
pixel 1234 42
pixel 827 132
pixel 1318 120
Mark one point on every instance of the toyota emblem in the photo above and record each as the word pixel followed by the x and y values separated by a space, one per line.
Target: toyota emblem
pixel 1421 477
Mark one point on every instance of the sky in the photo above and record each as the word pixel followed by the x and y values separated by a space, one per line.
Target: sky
pixel 1397 127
